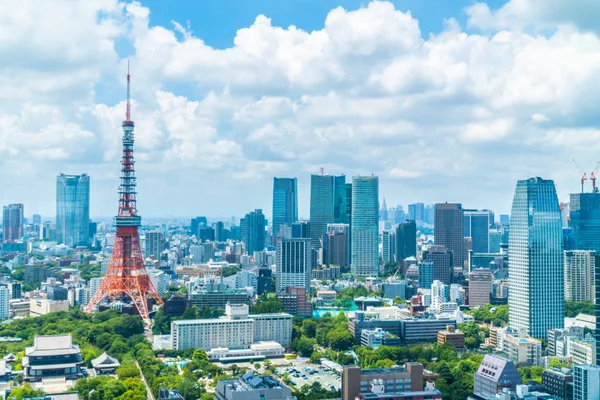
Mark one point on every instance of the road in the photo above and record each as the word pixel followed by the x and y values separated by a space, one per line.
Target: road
pixel 150 395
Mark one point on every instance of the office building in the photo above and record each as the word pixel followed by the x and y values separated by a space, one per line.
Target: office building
pixel 535 257
pixel 237 329
pixel 556 339
pixel 585 220
pixel 476 225
pixel 39 307
pixel 495 374
pixel 418 330
pixel 586 382
pixel 301 230
pixel 341 205
pixel 417 211
pixel 406 240
pixel 481 282
pixel 4 302
pixel 252 387
pixel 294 263
pixel 12 223
pixel 452 336
pixel 580 266
pixel 73 210
pixel 15 289
pixel 426 274
pixel 52 357
pixel 399 215
pixel 442 260
pixel 364 259
pixel 218 298
pixel 393 289
pixel 285 203
pixel 196 224
pixel 321 206
pixel 335 247
pixel 559 382
pixel 253 231
pixel 154 245
pixel 295 301
pixel 388 242
pixel 448 230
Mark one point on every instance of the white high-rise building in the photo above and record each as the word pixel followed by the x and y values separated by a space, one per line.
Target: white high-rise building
pixel 535 259
pixel 586 382
pixel 154 244
pixel 294 264
pixel 159 279
pixel 4 302
pixel 439 294
pixel 580 275
pixel 364 258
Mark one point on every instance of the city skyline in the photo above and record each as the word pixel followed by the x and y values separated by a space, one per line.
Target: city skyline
pixel 201 124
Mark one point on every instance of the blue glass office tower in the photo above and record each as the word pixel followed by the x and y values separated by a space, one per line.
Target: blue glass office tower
pixel 476 225
pixel 285 203
pixel 73 209
pixel 364 250
pixel 585 220
pixel 328 205
pixel 253 231
pixel 535 258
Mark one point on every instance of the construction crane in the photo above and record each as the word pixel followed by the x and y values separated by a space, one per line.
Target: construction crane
pixel 593 177
pixel 583 175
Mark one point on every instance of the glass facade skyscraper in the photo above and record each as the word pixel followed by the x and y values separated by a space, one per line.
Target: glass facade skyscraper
pixel 12 223
pixel 476 225
pixel 364 258
pixel 73 209
pixel 328 205
pixel 535 258
pixel 253 231
pixel 585 220
pixel 285 203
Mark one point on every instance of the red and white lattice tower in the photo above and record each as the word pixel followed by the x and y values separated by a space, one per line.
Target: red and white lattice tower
pixel 126 274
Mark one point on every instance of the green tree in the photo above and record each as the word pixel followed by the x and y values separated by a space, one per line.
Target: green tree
pixel 128 370
pixel 304 346
pixel 25 392
pixel 340 339
pixel 309 328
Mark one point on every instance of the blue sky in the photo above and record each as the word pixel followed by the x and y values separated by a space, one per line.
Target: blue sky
pixel 440 112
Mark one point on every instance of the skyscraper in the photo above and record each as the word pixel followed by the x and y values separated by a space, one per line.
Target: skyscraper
pixel 442 263
pixel 154 244
pixel 388 246
pixel 580 271
pixel 480 287
pixel 448 229
pixel 417 211
pixel 293 264
pixel 535 258
pixel 383 211
pixel 12 223
pixel 476 226
pixel 336 251
pixel 73 209
pixel 321 207
pixel 340 206
pixel 585 220
pixel 406 240
pixel 254 231
pixel 365 226
pixel 285 202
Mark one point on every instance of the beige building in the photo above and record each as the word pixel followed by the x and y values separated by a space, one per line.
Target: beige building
pixel 580 268
pixel 480 287
pixel 39 307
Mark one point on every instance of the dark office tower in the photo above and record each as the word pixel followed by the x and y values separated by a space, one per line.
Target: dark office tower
pixel 219 234
pixel 476 225
pixel 301 230
pixel 535 259
pixel 198 223
pixel 442 260
pixel 406 240
pixel 585 220
pixel 285 202
pixel 568 239
pixel 364 256
pixel 254 231
pixel 340 201
pixel 448 229
pixel 12 223
pixel 321 207
pixel 336 248
pixel 294 264
pixel 205 234
pixel 417 211
pixel 73 209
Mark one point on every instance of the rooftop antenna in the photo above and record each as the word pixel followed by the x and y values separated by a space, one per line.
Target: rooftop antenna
pixel 128 111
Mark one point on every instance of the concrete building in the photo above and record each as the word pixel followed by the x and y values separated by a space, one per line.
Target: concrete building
pixel 415 330
pixel 373 338
pixel 364 260
pixel 481 282
pixel 336 245
pixel 155 245
pixel 236 329
pixel 586 382
pixel 296 301
pixel 455 337
pixel 495 374
pixel 294 264
pixel 449 230
pixel 558 382
pixel 218 299
pixel 536 265
pixel 522 350
pixel 252 387
pixel 580 266
pixel 39 307
pixel 393 289
pixel 582 351
pixel 388 245
pixel 443 264
pixel 357 381
pixel 4 302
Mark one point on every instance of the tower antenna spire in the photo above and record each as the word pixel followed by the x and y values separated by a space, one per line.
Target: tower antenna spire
pixel 128 111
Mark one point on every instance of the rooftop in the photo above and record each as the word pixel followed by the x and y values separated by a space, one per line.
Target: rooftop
pixel 379 371
pixel 251 381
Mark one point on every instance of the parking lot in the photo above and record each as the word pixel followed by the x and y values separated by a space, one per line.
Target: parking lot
pixel 307 374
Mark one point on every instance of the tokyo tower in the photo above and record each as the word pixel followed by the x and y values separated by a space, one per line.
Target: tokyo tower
pixel 126 274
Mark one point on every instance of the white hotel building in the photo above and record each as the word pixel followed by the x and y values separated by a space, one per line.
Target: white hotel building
pixel 236 330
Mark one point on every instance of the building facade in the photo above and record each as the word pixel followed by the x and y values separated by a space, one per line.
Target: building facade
pixel 406 240
pixel 285 203
pixel 495 374
pixel 336 245
pixel 481 282
pixel 364 259
pixel 253 231
pixel 73 210
pixel 585 220
pixel 535 254
pixel 442 260
pixel 294 263
pixel 580 272
pixel 586 382
pixel 155 245
pixel 321 206
pixel 448 230
pixel 476 225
